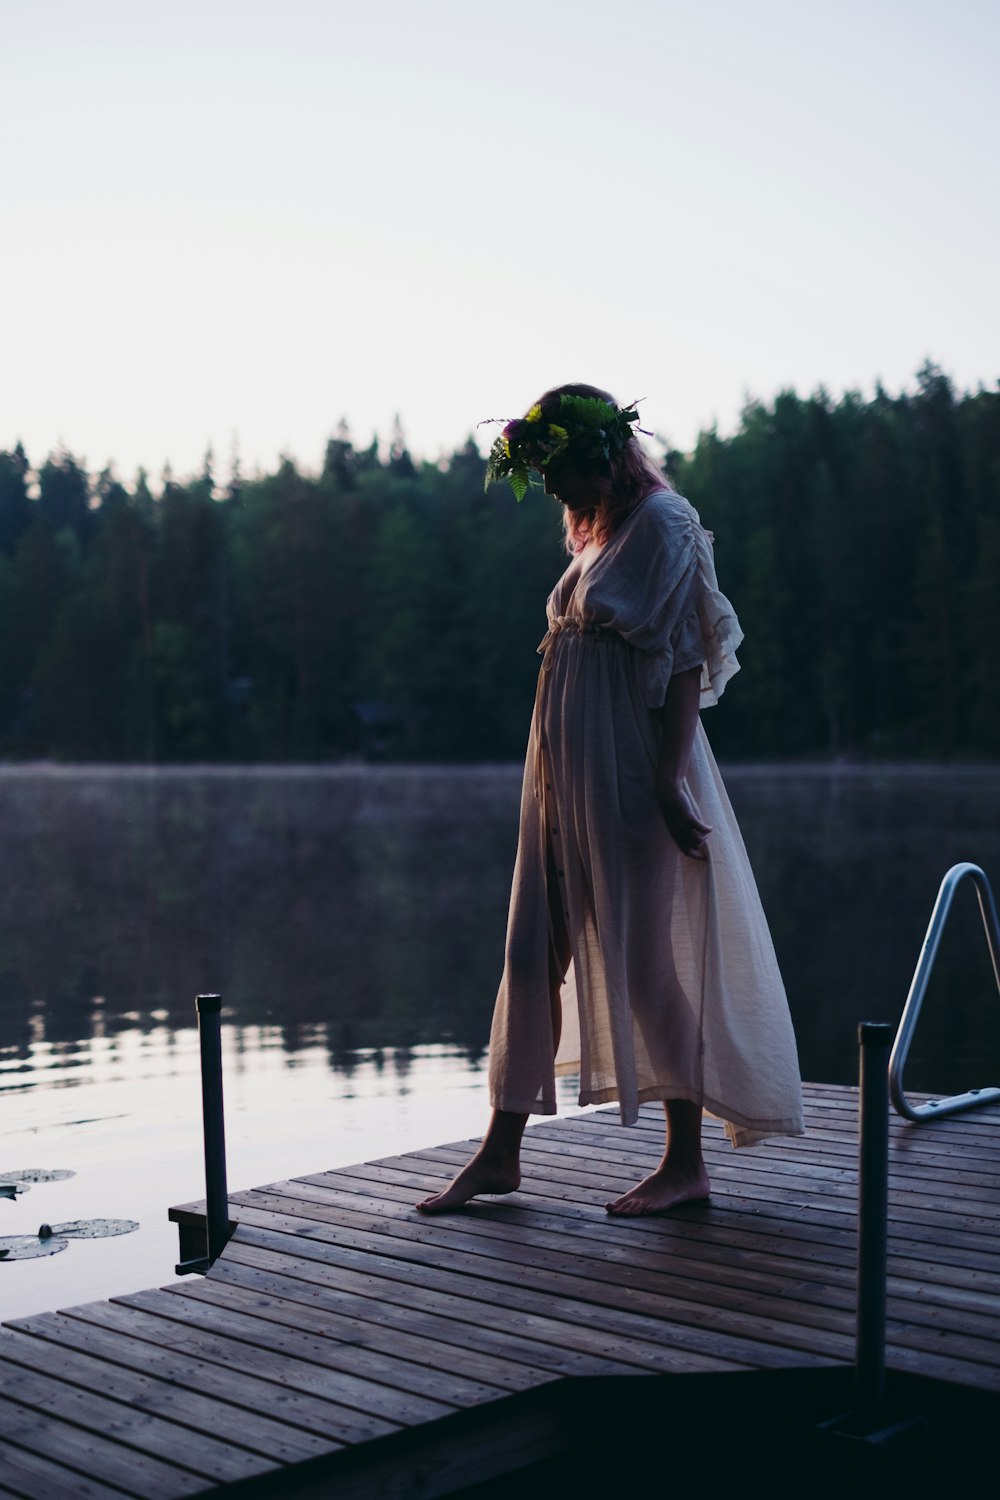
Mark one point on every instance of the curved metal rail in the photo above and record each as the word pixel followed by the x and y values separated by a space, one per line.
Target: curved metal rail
pixel 914 1000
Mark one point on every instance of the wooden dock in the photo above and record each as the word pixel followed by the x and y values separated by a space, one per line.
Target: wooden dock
pixel 345 1345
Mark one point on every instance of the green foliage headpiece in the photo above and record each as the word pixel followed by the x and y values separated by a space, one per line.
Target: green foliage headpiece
pixel 590 430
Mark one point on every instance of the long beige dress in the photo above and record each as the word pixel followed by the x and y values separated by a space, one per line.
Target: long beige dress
pixel 673 990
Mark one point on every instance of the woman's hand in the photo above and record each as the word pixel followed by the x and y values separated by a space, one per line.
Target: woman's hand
pixel 678 723
pixel 681 817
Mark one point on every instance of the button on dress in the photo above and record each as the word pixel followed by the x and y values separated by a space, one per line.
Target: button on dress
pixel 673 990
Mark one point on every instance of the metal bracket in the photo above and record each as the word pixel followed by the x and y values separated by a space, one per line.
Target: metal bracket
pixel 914 1000
pixel 199 1267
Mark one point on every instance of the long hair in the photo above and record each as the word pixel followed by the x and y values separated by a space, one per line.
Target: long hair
pixel 625 480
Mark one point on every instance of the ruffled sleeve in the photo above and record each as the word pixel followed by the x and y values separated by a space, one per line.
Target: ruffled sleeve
pixel 718 628
pixel 661 594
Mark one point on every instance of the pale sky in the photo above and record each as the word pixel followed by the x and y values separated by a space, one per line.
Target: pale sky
pixel 246 219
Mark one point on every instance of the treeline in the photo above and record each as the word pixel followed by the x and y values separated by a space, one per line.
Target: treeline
pixel 385 608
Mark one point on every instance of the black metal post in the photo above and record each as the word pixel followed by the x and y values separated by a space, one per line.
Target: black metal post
pixel 875 1039
pixel 216 1189
pixel 209 1008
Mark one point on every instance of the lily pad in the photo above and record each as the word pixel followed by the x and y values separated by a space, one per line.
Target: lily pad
pixel 37 1174
pixel 28 1246
pixel 92 1229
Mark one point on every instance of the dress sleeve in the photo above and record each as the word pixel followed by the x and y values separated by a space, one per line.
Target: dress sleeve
pixel 674 614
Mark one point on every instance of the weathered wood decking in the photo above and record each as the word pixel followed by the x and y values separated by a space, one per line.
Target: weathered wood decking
pixel 344 1343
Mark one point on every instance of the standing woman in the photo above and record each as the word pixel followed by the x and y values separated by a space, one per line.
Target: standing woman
pixel 637 950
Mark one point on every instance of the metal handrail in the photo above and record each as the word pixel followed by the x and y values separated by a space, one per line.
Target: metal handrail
pixel 921 977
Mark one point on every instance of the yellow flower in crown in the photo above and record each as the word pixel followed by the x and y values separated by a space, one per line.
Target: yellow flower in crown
pixel 535 414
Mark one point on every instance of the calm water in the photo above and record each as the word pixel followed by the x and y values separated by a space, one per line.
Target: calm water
pixel 353 921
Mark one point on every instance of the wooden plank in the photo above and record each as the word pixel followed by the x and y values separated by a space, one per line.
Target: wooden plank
pixel 790 1311
pixel 842 1108
pixel 715 1336
pixel 512 1307
pixel 491 1258
pixel 959 1210
pixel 36 1478
pixel 454 1380
pixel 833 1120
pixel 603 1244
pixel 238 1394
pixel 607 1180
pixel 705 1242
pixel 306 1357
pixel 978 1206
pixel 83 1448
pixel 133 1409
pixel 827 1159
pixel 789 1215
pixel 916 1227
pixel 406 1181
pixel 435 1348
pixel 538 1193
pixel 360 1409
pixel 844 1092
pixel 570 1299
pixel 830 1101
pixel 932 1143
pixel 809 1163
pixel 766 1224
pixel 546 1346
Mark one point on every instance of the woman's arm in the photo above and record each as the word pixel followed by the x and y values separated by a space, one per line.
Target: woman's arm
pixel 678 720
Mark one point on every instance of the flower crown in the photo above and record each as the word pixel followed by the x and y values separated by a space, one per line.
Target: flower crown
pixel 594 431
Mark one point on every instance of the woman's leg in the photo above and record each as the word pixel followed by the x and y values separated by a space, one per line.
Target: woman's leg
pixel 496 1166
pixel 681 1176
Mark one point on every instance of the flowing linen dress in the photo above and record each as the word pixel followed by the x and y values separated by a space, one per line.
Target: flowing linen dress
pixel 673 991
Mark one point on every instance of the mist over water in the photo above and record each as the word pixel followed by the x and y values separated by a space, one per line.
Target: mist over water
pixel 367 906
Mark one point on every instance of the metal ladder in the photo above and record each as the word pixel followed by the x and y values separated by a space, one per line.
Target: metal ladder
pixel 921 977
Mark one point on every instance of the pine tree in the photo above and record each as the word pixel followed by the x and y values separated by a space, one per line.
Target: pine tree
pixel 15 506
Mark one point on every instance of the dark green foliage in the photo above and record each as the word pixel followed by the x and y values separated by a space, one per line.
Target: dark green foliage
pixel 64 496
pixel 15 507
pixel 859 542
pixel 390 609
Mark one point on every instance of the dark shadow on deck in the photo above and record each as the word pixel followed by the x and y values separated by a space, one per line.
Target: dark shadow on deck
pixel 764 1426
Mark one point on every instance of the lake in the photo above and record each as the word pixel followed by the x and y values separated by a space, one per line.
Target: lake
pixel 353 920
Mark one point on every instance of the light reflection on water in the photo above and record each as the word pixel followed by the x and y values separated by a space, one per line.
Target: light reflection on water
pixel 353 920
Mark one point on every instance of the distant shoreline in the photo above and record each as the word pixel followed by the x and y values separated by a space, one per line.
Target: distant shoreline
pixel 347 770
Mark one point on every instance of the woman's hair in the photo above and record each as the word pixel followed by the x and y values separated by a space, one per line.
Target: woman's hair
pixel 622 482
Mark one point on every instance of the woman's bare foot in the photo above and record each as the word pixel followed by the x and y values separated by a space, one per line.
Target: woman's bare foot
pixel 662 1190
pixel 483 1174
pixel 495 1168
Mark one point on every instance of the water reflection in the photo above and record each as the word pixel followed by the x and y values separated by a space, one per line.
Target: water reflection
pixel 358 909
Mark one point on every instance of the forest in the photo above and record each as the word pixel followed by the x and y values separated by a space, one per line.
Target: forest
pixel 385 608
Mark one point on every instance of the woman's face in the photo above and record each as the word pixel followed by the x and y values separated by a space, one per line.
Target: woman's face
pixel 570 484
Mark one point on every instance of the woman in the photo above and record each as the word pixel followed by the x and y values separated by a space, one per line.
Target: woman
pixel 634 911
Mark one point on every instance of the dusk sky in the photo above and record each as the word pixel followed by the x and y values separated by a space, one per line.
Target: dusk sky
pixel 234 221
